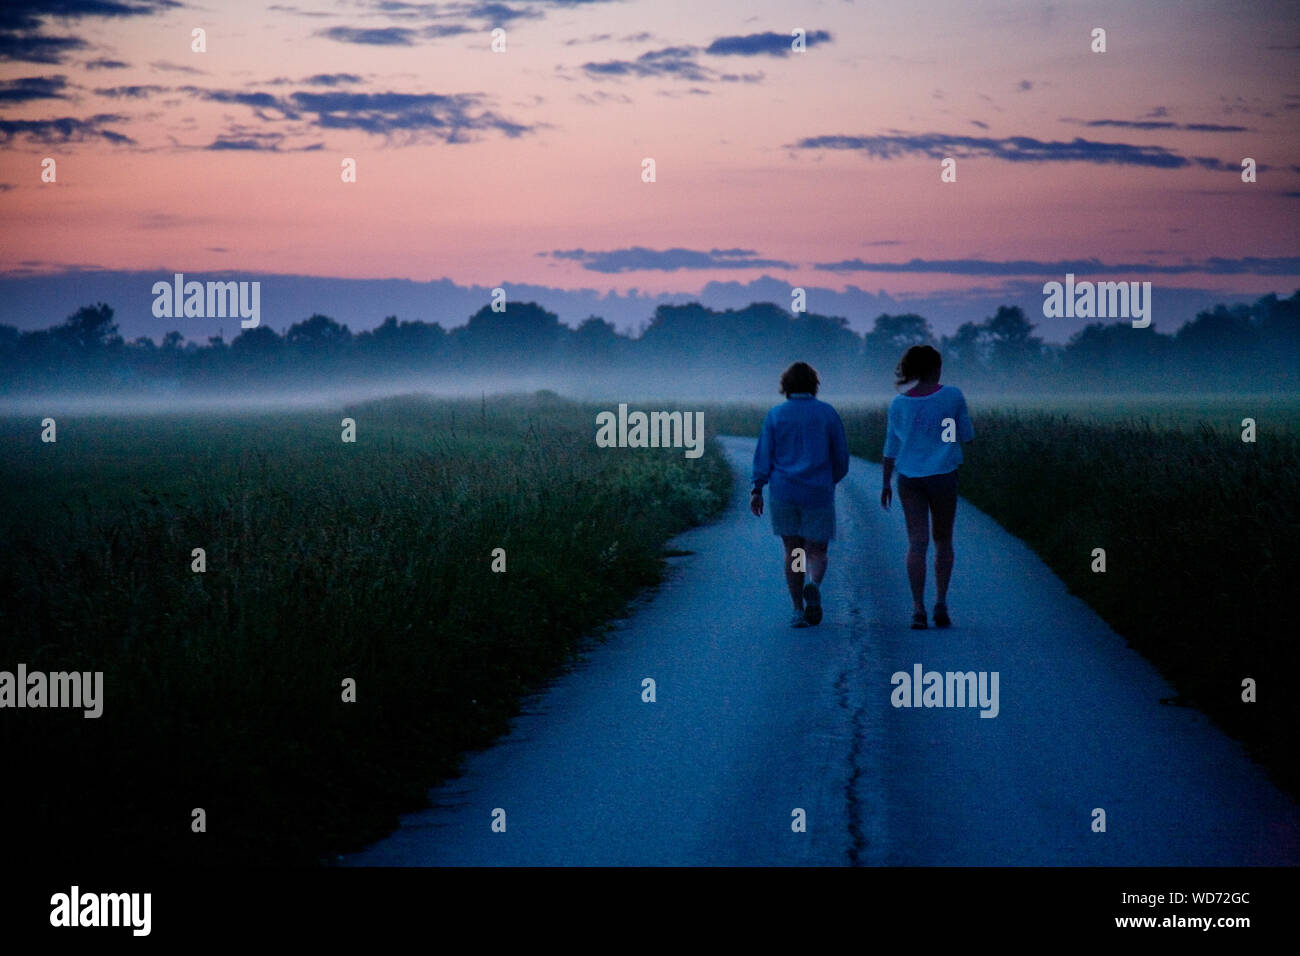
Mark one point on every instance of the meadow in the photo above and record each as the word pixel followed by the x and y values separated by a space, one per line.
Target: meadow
pixel 326 561
pixel 1198 526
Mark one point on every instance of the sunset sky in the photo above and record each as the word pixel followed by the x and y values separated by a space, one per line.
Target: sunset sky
pixel 525 166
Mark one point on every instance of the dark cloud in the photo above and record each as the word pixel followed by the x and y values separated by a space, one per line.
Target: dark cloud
pixel 1158 124
pixel 66 129
pixel 1220 166
pixel 412 117
pixel 131 92
pixel 494 13
pixel 298 11
pixel 439 30
pixel 237 144
pixel 415 115
pixel 1012 149
pixel 979 124
pixel 763 44
pixel 168 67
pixel 597 97
pixel 317 79
pixel 332 79
pixel 1233 166
pixel 1250 265
pixel 259 102
pixel 259 142
pixel 371 36
pixel 397 9
pixel 679 93
pixel 439 20
pixel 106 64
pixel 1024 86
pixel 29 88
pixel 5 187
pixel 27 14
pixel 674 61
pixel 33 48
pixel 22 23
pixel 480 9
pixel 639 259
pixel 1213 128
pixel 677 62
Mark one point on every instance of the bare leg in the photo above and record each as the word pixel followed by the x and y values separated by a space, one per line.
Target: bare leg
pixel 794 579
pixel 916 509
pixel 944 513
pixel 942 570
pixel 817 559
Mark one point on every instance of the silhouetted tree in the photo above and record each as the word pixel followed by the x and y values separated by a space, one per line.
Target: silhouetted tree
pixel 892 335
pixel 405 343
pixel 258 342
pixel 597 342
pixel 1012 348
pixel 965 349
pixel 90 329
pixel 319 334
pixel 693 347
pixel 523 336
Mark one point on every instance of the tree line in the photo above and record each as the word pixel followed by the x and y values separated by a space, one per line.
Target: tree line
pixel 684 349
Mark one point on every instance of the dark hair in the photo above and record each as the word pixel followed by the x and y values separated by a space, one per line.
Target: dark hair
pixel 799 377
pixel 918 362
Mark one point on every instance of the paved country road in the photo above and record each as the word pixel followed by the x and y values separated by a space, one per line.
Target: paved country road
pixel 754 719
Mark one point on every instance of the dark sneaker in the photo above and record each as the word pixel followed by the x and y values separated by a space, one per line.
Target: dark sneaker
pixel 812 603
pixel 941 618
pixel 798 620
pixel 918 621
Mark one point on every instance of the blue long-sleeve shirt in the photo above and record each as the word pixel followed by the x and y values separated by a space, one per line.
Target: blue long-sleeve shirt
pixel 802 451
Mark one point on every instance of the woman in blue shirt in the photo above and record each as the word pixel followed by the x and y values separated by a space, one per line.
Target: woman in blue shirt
pixel 803 453
pixel 927 425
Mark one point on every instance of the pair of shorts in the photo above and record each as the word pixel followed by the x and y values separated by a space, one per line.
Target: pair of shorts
pixel 933 488
pixel 810 522
pixel 929 506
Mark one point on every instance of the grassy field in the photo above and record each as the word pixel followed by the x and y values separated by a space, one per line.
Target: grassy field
pixel 1199 530
pixel 325 561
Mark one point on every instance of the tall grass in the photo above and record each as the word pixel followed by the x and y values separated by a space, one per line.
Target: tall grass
pixel 325 561
pixel 1199 530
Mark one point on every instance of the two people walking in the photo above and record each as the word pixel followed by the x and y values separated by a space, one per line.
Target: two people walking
pixel 802 455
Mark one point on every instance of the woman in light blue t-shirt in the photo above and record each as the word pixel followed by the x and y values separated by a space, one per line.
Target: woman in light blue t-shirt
pixel 927 424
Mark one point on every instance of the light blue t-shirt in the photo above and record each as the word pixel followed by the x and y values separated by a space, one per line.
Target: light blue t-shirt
pixel 914 436
pixel 802 451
